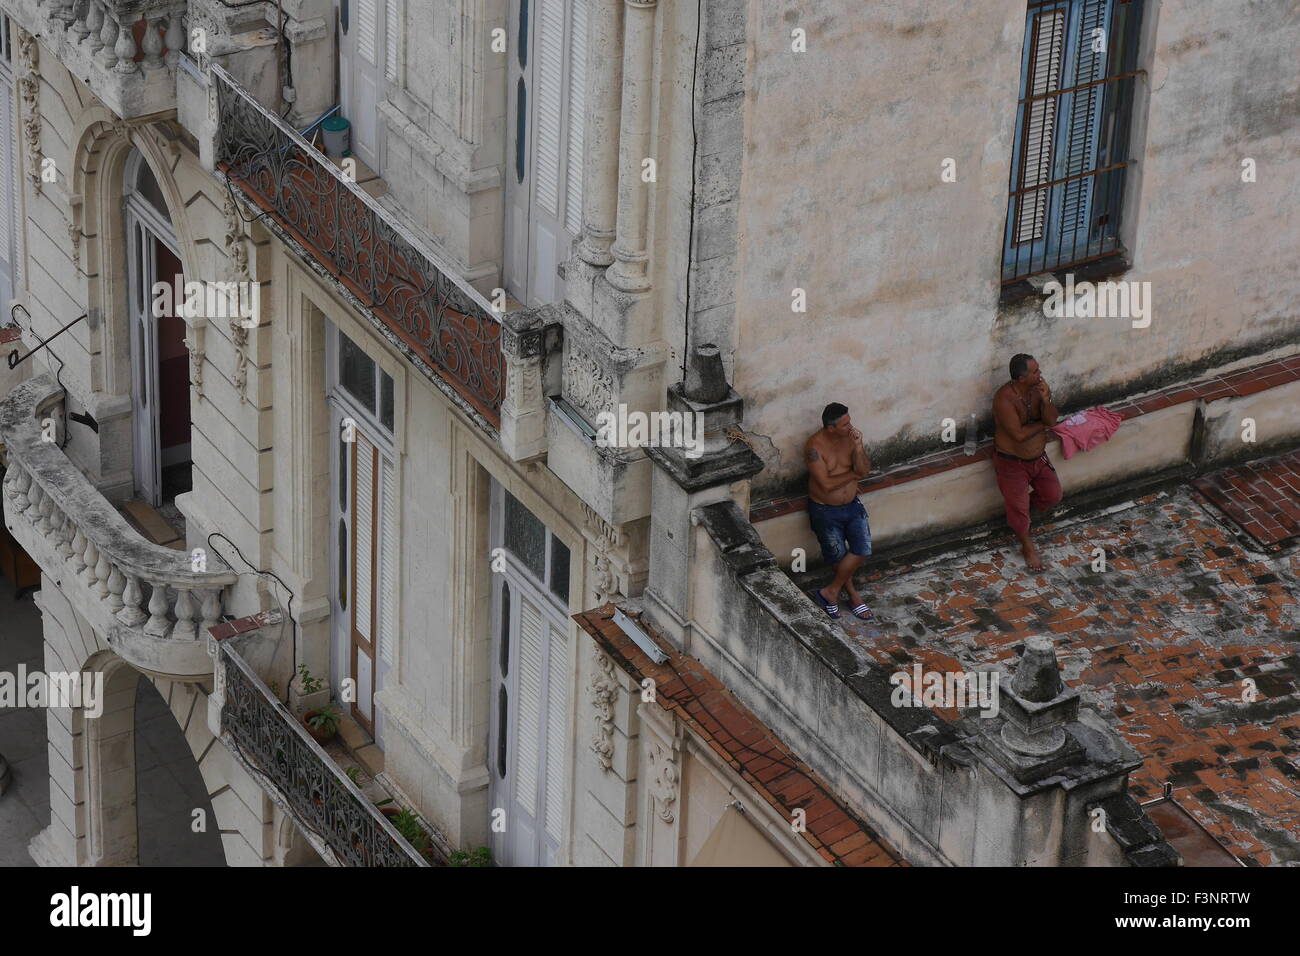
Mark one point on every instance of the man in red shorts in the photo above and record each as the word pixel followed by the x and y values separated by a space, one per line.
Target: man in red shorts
pixel 1023 412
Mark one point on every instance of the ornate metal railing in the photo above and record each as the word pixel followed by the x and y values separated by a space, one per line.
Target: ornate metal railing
pixel 319 794
pixel 441 317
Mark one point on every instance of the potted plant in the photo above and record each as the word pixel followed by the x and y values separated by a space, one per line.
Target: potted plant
pixel 322 724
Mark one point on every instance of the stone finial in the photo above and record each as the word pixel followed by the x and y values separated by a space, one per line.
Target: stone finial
pixel 706 380
pixel 1037 677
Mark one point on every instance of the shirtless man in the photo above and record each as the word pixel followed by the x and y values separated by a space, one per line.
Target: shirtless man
pixel 836 461
pixel 1023 412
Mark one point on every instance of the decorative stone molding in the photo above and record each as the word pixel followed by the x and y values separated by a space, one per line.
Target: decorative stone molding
pixel 604 691
pixel 237 253
pixel 604 538
pixel 587 384
pixel 29 86
pixel 665 779
pixel 195 348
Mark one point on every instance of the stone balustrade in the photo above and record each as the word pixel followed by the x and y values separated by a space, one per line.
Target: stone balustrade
pixel 149 602
pixel 126 50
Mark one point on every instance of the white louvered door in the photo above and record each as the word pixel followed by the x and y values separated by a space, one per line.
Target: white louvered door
pixel 369 545
pixel 529 743
pixel 366 56
pixel 547 92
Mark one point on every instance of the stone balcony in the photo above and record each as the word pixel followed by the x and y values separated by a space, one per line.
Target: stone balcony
pixel 125 50
pixel 148 602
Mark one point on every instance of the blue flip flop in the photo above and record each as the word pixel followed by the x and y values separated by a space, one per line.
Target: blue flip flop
pixel 832 609
pixel 863 613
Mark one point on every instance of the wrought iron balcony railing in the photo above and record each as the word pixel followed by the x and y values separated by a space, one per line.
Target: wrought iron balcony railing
pixel 125 50
pixel 437 315
pixel 147 601
pixel 324 802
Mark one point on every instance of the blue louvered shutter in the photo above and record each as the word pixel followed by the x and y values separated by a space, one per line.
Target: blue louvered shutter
pixel 1082 133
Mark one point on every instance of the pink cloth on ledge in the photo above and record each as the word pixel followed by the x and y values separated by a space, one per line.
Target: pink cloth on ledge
pixel 1084 430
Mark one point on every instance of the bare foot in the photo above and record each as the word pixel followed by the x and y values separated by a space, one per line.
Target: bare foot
pixel 854 597
pixel 1032 557
pixel 832 598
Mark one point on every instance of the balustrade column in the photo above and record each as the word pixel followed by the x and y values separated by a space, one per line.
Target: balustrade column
pixel 106 54
pixel 158 625
pixel 91 558
pixel 95 26
pixel 78 551
pixel 125 50
pixel 630 271
pixel 186 628
pixel 116 585
pixel 78 29
pixel 131 614
pixel 604 92
pixel 152 43
pixel 175 39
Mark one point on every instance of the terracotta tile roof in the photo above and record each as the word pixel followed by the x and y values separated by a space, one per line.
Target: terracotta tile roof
pixel 683 687
pixel 1247 381
pixel 1162 643
pixel 1262 497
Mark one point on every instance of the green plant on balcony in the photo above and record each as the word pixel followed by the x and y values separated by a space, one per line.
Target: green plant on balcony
pixel 354 774
pixel 478 857
pixel 309 684
pixel 322 724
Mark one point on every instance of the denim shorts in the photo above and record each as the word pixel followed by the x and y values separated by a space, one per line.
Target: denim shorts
pixel 838 526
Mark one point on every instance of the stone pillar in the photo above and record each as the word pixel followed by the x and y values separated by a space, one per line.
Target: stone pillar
pixel 527 338
pixel 604 89
pixel 689 477
pixel 630 271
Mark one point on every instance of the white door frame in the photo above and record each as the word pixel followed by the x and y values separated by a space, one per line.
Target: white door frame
pixel 523 842
pixel 361 82
pixel 537 240
pixel 342 406
pixel 144 222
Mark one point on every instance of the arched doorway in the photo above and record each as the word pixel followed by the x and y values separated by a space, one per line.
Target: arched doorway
pixel 171 797
pixel 160 378
pixel 144 788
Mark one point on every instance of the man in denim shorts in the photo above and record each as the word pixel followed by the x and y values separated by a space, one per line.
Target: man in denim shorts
pixel 836 461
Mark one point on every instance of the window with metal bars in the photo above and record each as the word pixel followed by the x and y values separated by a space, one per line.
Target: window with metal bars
pixel 1073 128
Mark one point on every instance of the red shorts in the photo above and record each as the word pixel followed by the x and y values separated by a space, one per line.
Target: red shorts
pixel 1026 485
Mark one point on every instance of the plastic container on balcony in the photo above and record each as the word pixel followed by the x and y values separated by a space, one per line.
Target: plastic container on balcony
pixel 337 133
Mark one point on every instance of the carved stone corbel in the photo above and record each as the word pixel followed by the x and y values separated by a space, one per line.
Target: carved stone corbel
pixel 237 253
pixel 604 691
pixel 665 779
pixel 29 88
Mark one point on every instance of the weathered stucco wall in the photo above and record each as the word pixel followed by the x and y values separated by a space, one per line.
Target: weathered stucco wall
pixel 841 196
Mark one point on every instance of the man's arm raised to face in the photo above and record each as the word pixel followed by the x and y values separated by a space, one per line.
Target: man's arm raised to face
pixel 1007 416
pixel 1046 407
pixel 861 462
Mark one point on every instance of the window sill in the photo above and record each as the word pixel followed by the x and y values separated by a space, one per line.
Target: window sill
pixel 1095 271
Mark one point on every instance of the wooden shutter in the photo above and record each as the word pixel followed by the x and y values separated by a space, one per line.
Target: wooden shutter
pixel 387 551
pixel 393 29
pixel 557 709
pixel 1038 132
pixel 367 30
pixel 1083 131
pixel 363 535
pixel 577 118
pixel 528 724
pixel 549 91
